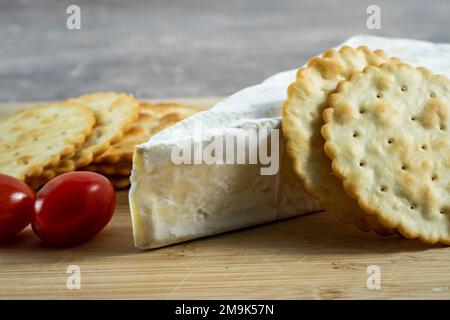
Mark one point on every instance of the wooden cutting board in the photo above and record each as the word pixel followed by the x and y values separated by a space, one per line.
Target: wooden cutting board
pixel 310 257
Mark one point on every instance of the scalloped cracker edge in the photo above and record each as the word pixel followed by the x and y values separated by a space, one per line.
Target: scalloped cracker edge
pixel 153 117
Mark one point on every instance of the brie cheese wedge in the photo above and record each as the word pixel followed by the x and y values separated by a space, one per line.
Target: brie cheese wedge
pixel 172 202
pixel 176 202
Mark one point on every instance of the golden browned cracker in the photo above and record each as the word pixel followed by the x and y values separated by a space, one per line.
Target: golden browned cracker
pixel 119 182
pixel 387 133
pixel 152 119
pixel 120 169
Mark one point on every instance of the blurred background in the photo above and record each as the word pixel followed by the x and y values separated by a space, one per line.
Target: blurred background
pixel 183 48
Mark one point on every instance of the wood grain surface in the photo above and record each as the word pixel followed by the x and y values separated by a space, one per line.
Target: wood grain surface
pixel 310 257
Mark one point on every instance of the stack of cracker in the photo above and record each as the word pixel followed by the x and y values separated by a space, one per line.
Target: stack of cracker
pixel 368 136
pixel 96 132
pixel 116 162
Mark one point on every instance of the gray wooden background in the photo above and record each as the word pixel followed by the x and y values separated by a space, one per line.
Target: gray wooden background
pixel 168 48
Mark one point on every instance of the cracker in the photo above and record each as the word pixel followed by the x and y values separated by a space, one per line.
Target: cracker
pixel 162 108
pixel 152 118
pixel 36 182
pixel 118 172
pixel 387 132
pixel 120 169
pixel 40 136
pixel 302 120
pixel 115 114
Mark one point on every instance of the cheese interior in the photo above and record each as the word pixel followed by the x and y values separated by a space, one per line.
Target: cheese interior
pixel 171 203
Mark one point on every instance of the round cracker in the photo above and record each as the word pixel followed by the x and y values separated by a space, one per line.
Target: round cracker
pixel 114 113
pixel 40 136
pixel 302 120
pixel 153 117
pixel 387 132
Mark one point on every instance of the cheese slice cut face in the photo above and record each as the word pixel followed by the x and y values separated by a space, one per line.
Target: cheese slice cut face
pixel 176 202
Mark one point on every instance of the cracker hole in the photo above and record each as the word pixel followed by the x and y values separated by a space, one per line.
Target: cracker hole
pixel 404 88
pixel 424 147
pixel 362 163
pixel 432 95
pixel 413 207
pixel 355 134
pixel 443 211
pixel 362 111
pixel 443 128
pixel 404 167
pixel 413 118
pixel 390 141
pixel 434 177
pixel 383 188
pixel 379 95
